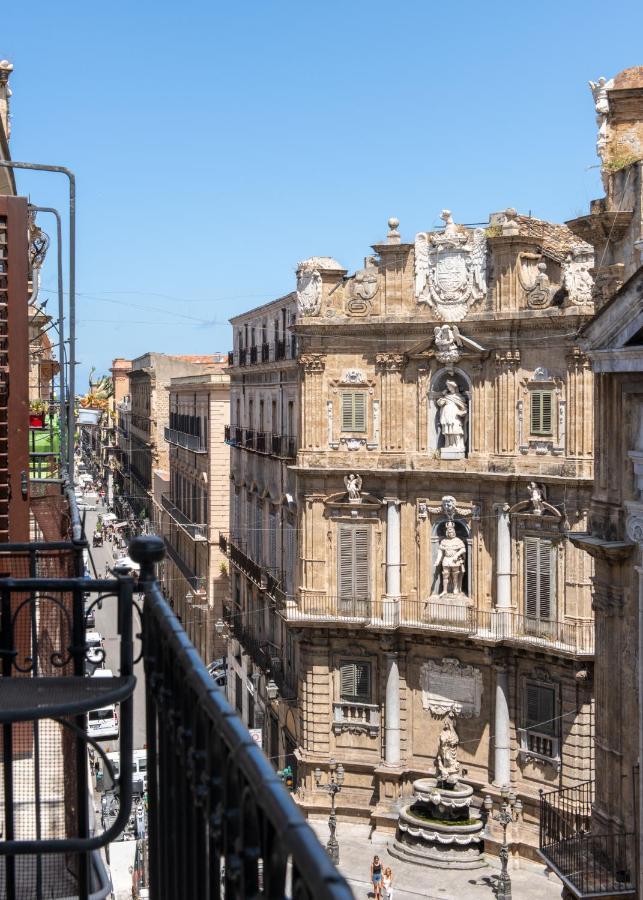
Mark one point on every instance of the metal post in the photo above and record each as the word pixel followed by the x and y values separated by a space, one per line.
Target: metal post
pixel 332 787
pixel 37 167
pixel 509 812
pixel 61 331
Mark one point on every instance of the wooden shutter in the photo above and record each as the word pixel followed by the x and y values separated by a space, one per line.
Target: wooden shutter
pixel 361 568
pixel 347 412
pixel 354 562
pixel 347 680
pixel 540 578
pixel 345 563
pixel 354 411
pixel 272 537
pixel 355 681
pixel 541 406
pixel 541 708
pixel 258 532
pixel 359 411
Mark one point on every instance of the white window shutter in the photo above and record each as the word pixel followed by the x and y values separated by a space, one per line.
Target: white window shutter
pixel 347 680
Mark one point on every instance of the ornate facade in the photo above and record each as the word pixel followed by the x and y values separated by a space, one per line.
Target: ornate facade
pixel 444 456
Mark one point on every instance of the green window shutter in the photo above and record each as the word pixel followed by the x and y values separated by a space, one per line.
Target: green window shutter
pixel 347 412
pixel 363 682
pixel 532 704
pixel 354 411
pixel 545 559
pixel 531 577
pixel 359 411
pixel 353 563
pixel 541 411
pixel 541 708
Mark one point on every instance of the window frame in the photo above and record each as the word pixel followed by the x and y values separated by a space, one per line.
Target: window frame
pixel 542 743
pixel 537 425
pixel 359 593
pixel 544 545
pixel 350 416
pixel 367 669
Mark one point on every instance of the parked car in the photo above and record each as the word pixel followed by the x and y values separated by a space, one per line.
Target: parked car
pixel 95 656
pixel 217 671
pixel 102 724
pixel 90 617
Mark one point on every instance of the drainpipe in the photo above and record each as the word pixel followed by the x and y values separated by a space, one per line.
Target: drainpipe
pixel 71 419
pixel 61 330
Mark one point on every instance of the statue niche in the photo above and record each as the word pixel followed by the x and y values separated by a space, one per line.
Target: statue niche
pixel 451 573
pixel 449 414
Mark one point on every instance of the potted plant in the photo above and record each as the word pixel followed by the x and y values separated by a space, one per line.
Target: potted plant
pixel 36 413
pixel 95 402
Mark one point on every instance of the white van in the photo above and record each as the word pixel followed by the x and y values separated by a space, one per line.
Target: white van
pixel 102 724
pixel 139 768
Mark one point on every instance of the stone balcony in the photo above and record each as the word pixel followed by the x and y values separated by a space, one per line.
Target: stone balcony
pixel 487 626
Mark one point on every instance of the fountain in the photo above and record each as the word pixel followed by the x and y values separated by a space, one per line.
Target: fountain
pixel 438 828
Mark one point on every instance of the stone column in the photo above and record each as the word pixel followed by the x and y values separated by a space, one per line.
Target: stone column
pixel 393 555
pixel 392 725
pixel 502 740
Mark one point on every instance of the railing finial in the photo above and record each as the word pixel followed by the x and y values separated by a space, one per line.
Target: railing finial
pixel 147 550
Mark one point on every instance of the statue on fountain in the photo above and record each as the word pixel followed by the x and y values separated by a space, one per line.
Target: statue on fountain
pixel 448 764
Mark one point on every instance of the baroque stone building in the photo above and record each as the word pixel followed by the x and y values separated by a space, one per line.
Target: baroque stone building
pixel 597 826
pixel 414 559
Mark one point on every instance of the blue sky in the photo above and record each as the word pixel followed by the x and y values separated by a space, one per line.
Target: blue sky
pixel 216 144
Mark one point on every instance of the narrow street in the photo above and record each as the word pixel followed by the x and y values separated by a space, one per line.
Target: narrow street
pixel 106 625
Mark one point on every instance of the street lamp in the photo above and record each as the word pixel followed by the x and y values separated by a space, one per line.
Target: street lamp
pixel 509 812
pixel 333 787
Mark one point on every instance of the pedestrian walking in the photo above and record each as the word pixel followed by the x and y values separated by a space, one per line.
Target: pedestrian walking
pixel 387 881
pixel 376 877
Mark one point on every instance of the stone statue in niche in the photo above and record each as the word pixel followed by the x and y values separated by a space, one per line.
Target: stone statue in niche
pixel 448 765
pixel 454 410
pixel 353 485
pixel 453 552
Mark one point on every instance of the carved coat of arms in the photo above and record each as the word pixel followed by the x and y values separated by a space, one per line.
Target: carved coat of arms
pixel 577 277
pixel 363 288
pixel 450 269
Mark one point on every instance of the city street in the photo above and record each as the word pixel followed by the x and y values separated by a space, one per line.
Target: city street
pixel 106 625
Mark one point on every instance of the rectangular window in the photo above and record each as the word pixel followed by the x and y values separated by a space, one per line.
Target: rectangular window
pixel 540 578
pixel 272 539
pixel 354 562
pixel 541 406
pixel 540 734
pixel 354 411
pixel 355 681
pixel 290 558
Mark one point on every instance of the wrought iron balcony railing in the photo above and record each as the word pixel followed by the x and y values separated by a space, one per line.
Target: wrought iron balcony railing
pixel 589 865
pixel 267 352
pixel 241 556
pixel 280 445
pixel 196 532
pixel 221 823
pixel 193 442
pixel 195 581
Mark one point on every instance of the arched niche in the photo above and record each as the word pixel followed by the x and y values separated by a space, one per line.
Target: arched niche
pixel 438 532
pixel 437 441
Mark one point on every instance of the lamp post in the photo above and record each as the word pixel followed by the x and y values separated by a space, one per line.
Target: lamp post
pixel 509 812
pixel 332 787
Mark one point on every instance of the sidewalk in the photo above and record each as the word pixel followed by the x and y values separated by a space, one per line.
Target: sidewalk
pixel 411 882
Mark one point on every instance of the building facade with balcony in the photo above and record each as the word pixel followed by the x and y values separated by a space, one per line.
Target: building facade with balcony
pixel 194 507
pixel 148 417
pixel 263 436
pixel 444 458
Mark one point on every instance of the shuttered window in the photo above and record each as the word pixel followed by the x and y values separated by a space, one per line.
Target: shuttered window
pixel 355 681
pixel 540 708
pixel 353 562
pixel 354 411
pixel 258 532
pixel 290 561
pixel 272 538
pixel 540 578
pixel 541 404
pixel 236 514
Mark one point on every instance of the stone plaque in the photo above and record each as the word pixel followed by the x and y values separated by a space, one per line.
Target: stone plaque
pixel 449 686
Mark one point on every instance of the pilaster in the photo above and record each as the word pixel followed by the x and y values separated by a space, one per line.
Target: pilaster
pixel 392 412
pixel 507 363
pixel 312 424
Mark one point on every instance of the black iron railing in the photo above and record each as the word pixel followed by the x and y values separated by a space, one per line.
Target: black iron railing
pixel 280 445
pixel 275 351
pixel 221 824
pixel 590 865
pixel 192 529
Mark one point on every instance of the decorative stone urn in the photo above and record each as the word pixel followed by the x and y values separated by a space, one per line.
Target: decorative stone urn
pixel 439 828
pixel 89 415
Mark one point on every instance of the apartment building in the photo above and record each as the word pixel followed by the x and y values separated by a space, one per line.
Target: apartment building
pixel 193 505
pixel 415 559
pixel 144 415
